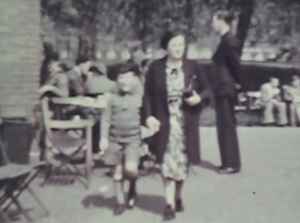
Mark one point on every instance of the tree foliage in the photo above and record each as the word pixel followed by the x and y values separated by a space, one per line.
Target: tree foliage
pixel 82 26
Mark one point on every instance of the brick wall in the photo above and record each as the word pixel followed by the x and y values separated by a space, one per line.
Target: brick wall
pixel 20 50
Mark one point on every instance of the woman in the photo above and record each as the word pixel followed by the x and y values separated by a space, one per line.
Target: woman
pixel 174 90
pixel 226 82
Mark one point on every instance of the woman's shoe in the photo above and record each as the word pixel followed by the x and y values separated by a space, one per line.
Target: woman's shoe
pixel 179 205
pixel 169 213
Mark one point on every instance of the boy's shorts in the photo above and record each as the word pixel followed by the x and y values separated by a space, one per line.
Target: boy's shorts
pixel 118 153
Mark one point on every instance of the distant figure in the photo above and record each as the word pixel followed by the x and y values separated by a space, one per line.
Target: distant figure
pixel 292 94
pixel 272 102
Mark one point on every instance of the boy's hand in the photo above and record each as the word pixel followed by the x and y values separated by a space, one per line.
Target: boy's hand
pixel 153 123
pixel 194 99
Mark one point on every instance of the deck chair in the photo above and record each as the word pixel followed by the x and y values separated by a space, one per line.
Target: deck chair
pixel 15 179
pixel 67 143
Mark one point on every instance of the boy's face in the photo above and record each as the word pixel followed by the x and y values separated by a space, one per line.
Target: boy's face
pixel 126 81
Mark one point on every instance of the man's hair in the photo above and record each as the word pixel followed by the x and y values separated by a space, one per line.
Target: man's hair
pixel 225 15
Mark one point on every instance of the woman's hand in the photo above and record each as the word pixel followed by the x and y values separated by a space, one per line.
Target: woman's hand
pixel 153 123
pixel 193 100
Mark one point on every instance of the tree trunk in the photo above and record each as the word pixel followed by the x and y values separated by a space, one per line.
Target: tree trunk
pixel 246 8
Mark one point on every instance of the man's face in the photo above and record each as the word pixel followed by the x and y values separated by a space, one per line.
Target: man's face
pixel 126 81
pixel 296 82
pixel 216 23
pixel 84 67
pixel 274 82
pixel 54 67
pixel 176 47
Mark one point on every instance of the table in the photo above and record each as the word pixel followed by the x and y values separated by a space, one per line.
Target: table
pixel 99 102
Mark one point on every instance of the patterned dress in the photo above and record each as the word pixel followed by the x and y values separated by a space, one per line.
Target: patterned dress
pixel 175 161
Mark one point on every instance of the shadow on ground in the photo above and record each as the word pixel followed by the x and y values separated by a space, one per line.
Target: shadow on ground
pixel 149 203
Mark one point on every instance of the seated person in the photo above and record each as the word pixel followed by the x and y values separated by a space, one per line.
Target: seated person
pixel 271 101
pixel 97 82
pixel 292 94
pixel 57 83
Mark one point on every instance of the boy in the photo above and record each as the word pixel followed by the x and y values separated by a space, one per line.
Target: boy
pixel 121 133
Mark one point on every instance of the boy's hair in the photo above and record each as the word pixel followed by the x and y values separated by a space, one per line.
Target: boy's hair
pixel 227 15
pixel 129 66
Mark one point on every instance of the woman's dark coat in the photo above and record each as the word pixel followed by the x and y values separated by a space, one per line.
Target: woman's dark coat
pixel 156 104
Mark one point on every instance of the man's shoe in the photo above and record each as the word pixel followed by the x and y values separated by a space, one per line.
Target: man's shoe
pixel 119 209
pixel 169 213
pixel 228 170
pixel 179 205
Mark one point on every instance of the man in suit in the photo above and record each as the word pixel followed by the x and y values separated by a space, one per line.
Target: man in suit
pixel 226 81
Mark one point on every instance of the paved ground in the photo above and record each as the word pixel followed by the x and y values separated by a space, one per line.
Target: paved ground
pixel 266 191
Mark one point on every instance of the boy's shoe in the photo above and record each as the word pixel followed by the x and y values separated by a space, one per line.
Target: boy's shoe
pixel 169 213
pixel 131 200
pixel 179 205
pixel 119 209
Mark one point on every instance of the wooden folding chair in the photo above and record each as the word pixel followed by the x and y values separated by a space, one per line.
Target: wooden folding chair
pixel 14 180
pixel 66 141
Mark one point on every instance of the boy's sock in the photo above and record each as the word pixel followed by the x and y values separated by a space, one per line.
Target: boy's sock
pixel 132 187
pixel 131 199
pixel 119 187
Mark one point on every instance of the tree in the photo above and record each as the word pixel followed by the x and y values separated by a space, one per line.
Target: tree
pixel 246 10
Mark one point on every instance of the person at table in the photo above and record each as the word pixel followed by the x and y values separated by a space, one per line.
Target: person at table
pixel 97 84
pixel 77 76
pixel 175 87
pixel 120 141
pixel 57 81
pixel 271 101
pixel 56 85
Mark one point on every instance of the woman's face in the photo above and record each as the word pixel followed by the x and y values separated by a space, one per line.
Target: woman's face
pixel 176 47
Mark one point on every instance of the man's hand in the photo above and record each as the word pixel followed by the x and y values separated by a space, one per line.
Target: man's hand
pixel 153 123
pixel 193 100
pixel 103 144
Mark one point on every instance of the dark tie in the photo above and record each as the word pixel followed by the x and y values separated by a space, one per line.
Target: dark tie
pixel 174 72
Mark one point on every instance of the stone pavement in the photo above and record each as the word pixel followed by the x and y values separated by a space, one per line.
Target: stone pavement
pixel 266 191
